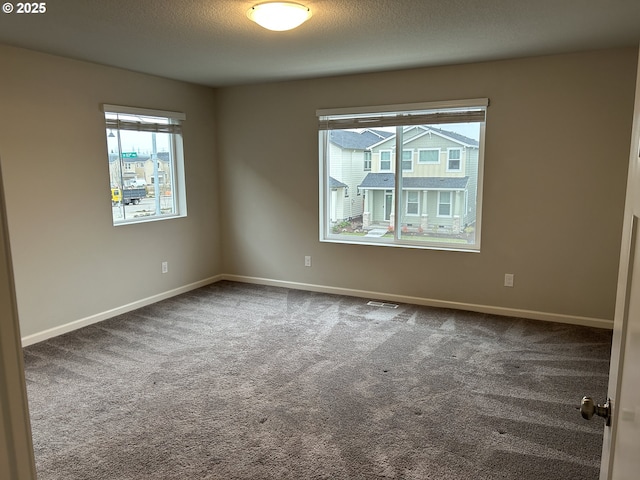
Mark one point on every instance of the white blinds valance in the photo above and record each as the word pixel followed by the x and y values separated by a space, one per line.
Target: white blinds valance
pixel 142 119
pixel 464 111
pixel 143 126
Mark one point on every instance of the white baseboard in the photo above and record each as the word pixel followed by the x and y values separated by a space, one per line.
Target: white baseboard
pixel 510 312
pixel 83 322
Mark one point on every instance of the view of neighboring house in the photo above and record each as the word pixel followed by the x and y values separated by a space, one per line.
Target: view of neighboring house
pixel 350 161
pixel 439 178
pixel 439 181
pixel 138 168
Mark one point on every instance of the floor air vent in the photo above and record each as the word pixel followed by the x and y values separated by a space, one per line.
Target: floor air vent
pixel 382 304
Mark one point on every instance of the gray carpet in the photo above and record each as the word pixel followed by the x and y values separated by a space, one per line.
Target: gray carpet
pixel 238 381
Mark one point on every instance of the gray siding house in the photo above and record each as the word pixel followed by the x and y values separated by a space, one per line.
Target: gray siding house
pixel 350 161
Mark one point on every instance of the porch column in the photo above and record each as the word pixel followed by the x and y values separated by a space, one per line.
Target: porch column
pixel 456 209
pixel 333 205
pixel 366 214
pixel 424 218
pixel 392 215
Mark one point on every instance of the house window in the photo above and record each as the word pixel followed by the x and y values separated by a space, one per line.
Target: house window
pixel 407 160
pixel 413 199
pixel 429 155
pixel 401 205
pixel 385 160
pixel 367 161
pixel 144 152
pixel 444 204
pixel 454 156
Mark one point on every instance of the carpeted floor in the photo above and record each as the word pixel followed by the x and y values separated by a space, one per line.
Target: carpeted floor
pixel 239 381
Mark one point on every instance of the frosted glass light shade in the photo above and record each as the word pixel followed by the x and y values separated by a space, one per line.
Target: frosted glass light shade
pixel 279 16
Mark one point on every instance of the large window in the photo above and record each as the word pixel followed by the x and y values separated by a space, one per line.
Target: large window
pixel 408 196
pixel 145 164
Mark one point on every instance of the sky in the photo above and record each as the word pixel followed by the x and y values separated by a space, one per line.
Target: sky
pixel 139 142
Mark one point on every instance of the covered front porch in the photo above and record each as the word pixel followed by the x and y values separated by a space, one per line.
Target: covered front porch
pixel 428 204
pixel 423 211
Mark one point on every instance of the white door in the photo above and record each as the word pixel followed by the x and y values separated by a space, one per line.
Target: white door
pixel 621 447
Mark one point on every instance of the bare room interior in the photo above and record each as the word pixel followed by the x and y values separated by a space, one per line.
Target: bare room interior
pixel 252 327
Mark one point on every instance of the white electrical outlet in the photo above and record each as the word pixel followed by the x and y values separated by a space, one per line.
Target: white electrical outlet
pixel 165 267
pixel 307 261
pixel 508 279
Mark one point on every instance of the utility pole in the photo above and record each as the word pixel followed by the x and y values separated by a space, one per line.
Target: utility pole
pixel 156 181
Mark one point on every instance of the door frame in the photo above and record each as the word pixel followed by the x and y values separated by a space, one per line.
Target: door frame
pixel 625 273
pixel 17 459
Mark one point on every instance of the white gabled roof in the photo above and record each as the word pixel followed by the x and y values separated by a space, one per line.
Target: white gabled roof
pixel 453 136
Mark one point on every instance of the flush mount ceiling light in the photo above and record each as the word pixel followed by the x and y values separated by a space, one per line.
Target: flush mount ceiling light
pixel 279 16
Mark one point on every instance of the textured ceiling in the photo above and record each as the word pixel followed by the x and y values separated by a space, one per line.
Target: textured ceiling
pixel 212 42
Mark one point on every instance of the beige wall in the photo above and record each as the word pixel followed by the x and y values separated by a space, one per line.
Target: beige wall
pixel 553 196
pixel 553 191
pixel 70 262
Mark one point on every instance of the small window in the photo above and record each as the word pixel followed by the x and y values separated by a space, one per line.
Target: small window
pixel 146 166
pixel 444 204
pixel 385 160
pixel 407 160
pixel 454 163
pixel 367 162
pixel 413 199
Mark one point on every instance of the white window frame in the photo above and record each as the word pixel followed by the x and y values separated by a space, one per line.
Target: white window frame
pixel 416 203
pixel 390 152
pixel 172 126
pixel 400 117
pixel 425 162
pixel 410 151
pixel 449 159
pixel 367 161
pixel 440 203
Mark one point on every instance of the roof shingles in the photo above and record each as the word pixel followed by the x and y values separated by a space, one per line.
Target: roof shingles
pixel 357 140
pixel 377 181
